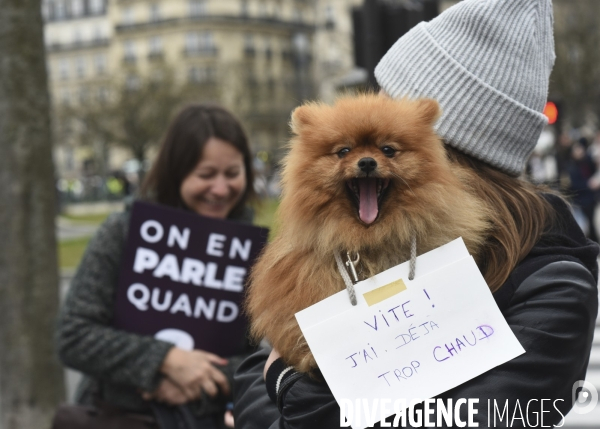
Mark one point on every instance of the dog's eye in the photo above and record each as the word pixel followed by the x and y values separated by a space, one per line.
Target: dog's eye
pixel 388 151
pixel 341 153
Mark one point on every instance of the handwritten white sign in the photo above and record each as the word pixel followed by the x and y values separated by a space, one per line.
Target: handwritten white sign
pixel 410 339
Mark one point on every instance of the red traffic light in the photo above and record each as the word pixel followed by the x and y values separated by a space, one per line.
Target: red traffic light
pixel 551 112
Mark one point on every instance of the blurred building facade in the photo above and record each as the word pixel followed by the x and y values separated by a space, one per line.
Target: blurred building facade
pixel 259 58
pixel 78 36
pixel 333 47
pixel 256 57
pixel 257 53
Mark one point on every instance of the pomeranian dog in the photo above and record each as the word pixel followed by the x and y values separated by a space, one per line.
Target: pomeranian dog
pixel 362 176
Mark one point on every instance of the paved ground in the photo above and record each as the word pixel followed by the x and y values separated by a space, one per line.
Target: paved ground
pixel 67 230
pixel 591 420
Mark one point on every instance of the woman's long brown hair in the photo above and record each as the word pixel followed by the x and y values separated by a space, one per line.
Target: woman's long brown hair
pixel 519 215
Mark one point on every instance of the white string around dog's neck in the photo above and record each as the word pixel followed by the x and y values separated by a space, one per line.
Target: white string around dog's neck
pixel 350 284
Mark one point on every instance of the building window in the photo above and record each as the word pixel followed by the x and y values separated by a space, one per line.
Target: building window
pixel 197 74
pixel 277 10
pixel 154 12
pixel 65 97
pixel 129 50
pixel 268 49
pixel 76 8
pixel 249 45
pixel 206 40
pixel 80 66
pixel 262 9
pixel 128 18
pixel 59 10
pixel 197 7
pixel 211 74
pixel 84 95
pixel 157 76
pixel 100 64
pixel 132 82
pixel 155 45
pixel 329 17
pixel 96 6
pixel 301 44
pixel 286 51
pixel 296 15
pixel 97 33
pixel 198 42
pixel 63 67
pixel 77 37
pixel 102 93
pixel 191 42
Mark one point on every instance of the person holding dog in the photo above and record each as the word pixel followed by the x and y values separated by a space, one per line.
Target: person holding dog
pixel 487 63
pixel 204 165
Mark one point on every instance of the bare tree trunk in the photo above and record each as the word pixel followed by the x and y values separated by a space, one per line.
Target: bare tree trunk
pixel 31 380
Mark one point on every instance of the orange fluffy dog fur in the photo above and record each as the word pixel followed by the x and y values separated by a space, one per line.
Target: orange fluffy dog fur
pixel 419 191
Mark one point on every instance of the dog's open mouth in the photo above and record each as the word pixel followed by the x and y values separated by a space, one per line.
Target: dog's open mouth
pixel 367 193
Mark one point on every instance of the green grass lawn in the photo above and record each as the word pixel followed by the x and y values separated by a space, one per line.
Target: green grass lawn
pixel 265 213
pixel 71 251
pixel 95 219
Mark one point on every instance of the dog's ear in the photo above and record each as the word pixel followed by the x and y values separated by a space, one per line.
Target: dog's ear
pixel 301 117
pixel 429 110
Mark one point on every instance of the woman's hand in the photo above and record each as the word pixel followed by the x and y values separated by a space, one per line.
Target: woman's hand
pixel 167 392
pixel 193 372
pixel 272 358
pixel 229 422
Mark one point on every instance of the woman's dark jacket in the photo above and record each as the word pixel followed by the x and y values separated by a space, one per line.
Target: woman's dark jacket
pixel 550 301
pixel 117 365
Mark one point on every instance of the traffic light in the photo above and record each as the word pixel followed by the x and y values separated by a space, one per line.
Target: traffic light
pixel 378 24
pixel 551 112
pixel 555 113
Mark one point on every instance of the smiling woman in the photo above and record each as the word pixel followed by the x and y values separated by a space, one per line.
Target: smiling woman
pixel 203 166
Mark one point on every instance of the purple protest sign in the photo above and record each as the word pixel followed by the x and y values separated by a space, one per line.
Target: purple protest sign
pixel 183 278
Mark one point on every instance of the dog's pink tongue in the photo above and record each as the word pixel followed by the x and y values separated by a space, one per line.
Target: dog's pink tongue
pixel 367 210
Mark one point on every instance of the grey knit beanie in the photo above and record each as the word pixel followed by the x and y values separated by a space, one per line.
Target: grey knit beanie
pixel 488 63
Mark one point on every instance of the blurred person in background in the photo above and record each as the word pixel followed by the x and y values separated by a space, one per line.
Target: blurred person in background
pixel 203 166
pixel 583 185
pixel 594 152
pixel 563 159
pixel 594 149
pixel 541 168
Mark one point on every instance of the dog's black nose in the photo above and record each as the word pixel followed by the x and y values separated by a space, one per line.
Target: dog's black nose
pixel 367 164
